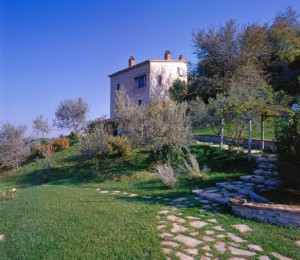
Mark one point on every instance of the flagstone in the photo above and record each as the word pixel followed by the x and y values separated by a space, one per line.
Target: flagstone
pixel 212 220
pixel 133 195
pixel 191 217
pixel 180 199
pixel 2 237
pixel 237 258
pixel 183 256
pixel 188 241
pixel 167 250
pixel 178 228
pixel 205 258
pixel 163 235
pixel 161 226
pixel 169 243
pixel 209 232
pixel 208 239
pixel 164 212
pixel 236 238
pixel 220 236
pixel 198 224
pixel 221 247
pixel 297 242
pixel 192 251
pixel 242 228
pixel 176 219
pixel 194 233
pixel 206 248
pixel 255 247
pixel 220 228
pixel 104 191
pixel 264 257
pixel 236 251
pixel 280 257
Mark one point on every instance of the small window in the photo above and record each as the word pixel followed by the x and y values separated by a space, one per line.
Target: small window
pixel 159 79
pixel 141 81
pixel 139 102
pixel 180 71
pixel 118 86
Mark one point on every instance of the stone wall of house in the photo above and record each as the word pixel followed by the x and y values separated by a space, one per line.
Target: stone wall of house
pixel 128 82
pixel 163 74
pixel 283 215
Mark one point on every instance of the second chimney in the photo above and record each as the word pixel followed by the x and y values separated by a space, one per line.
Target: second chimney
pixel 167 55
pixel 131 61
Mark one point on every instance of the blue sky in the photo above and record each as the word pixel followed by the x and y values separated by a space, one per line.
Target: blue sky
pixel 51 50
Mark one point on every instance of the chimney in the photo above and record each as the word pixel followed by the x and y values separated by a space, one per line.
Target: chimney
pixel 181 57
pixel 131 61
pixel 167 55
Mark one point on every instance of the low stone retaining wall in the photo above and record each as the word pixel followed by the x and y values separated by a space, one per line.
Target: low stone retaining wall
pixel 256 144
pixel 278 214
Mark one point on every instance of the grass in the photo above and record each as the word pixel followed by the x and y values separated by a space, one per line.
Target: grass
pixel 268 135
pixel 60 215
pixel 59 222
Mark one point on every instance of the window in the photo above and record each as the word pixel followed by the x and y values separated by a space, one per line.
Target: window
pixel 141 81
pixel 180 72
pixel 139 102
pixel 118 86
pixel 159 79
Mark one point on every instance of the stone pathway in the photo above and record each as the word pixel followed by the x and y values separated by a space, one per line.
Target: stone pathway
pixel 201 236
pixel 263 179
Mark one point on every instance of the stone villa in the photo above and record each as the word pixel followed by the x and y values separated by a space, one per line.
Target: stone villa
pixel 147 79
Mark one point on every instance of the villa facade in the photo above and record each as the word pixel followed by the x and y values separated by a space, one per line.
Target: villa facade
pixel 146 80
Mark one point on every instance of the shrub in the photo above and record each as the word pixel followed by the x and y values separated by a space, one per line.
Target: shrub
pixel 61 143
pixel 288 143
pixel 118 146
pixel 13 148
pixel 167 175
pixel 73 138
pixel 94 144
pixel 192 168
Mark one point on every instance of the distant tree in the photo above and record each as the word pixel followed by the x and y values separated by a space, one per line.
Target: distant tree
pixel 197 112
pixel 41 126
pixel 162 127
pixel 284 36
pixel 13 148
pixel 71 115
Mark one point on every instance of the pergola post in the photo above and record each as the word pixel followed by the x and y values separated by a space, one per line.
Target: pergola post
pixel 262 132
pixel 249 139
pixel 222 133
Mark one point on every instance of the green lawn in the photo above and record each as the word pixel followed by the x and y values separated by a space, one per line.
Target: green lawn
pixel 61 215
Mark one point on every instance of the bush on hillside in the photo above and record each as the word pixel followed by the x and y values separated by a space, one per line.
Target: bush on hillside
pixel 61 143
pixel 191 167
pixel 94 144
pixel 118 146
pixel 288 144
pixel 167 175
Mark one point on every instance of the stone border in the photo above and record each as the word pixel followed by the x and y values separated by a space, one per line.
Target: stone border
pixel 278 214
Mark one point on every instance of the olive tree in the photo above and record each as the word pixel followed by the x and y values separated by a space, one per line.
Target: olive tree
pixel 71 115
pixel 164 127
pixel 41 126
pixel 13 148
